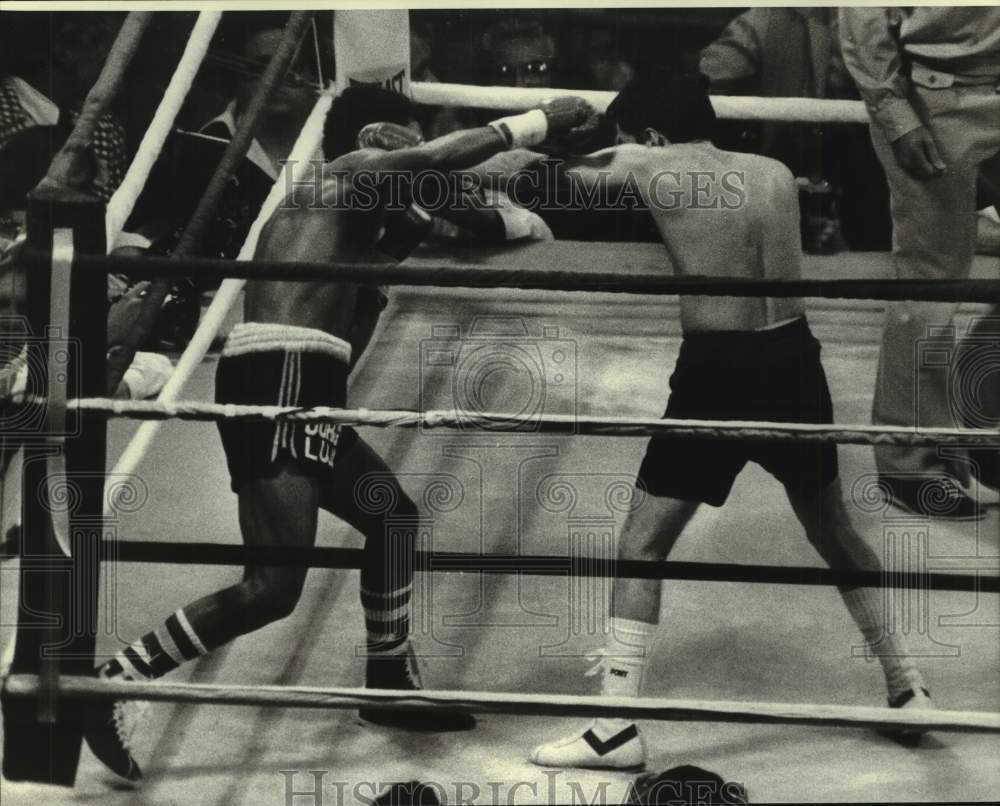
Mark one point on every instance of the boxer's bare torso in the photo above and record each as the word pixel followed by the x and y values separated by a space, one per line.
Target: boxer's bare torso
pixel 316 227
pixel 719 214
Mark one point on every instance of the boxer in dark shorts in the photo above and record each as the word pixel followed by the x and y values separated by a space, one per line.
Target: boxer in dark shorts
pixel 720 214
pixel 773 374
pixel 282 365
pixel 295 349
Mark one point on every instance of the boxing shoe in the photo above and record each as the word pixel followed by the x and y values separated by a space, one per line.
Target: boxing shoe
pixel 399 670
pixel 624 750
pixel 915 699
pixel 108 729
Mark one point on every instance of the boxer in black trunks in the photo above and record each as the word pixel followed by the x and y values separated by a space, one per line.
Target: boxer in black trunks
pixel 719 214
pixel 295 349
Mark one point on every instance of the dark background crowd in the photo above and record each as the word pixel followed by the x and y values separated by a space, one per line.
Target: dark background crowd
pixel 760 51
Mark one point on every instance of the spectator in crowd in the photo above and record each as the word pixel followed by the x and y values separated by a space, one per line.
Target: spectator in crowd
pixel 245 46
pixel 421 53
pixel 515 53
pixel 519 53
pixel 41 92
pixel 34 125
pixel 794 52
pixel 930 78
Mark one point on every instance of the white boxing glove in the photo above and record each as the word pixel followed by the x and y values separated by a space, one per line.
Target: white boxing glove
pixel 519 223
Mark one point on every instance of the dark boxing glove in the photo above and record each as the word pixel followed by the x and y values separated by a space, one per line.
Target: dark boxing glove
pixel 388 137
pixel 595 133
pixel 404 232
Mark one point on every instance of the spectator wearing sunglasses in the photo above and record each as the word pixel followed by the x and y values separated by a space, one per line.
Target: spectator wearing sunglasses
pixel 519 53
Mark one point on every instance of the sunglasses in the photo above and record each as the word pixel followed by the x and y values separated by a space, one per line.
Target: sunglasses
pixel 507 73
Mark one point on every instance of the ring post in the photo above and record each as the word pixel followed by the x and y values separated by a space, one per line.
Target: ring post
pixel 62 496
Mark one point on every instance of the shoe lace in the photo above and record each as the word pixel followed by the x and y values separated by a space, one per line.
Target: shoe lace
pixel 128 716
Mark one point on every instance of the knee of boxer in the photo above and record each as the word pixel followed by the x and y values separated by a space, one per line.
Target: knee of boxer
pixel 266 598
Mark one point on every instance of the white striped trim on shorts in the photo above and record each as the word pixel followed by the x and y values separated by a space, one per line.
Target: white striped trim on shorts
pixel 261 337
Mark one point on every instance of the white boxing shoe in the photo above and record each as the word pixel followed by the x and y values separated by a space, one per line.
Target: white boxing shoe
pixel 624 750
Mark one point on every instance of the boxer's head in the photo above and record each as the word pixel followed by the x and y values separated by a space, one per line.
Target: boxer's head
pixel 662 106
pixel 355 108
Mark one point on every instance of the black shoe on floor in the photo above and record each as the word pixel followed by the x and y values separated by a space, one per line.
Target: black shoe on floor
pixel 917 699
pixel 107 733
pixel 932 497
pixel 400 672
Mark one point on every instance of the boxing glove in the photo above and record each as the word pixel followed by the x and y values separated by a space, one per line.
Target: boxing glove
pixel 388 137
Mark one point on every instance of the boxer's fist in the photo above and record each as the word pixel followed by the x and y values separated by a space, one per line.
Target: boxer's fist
pixel 595 133
pixel 565 112
pixel 388 137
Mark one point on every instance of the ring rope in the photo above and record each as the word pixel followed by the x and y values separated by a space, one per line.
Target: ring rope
pixel 292 171
pixel 744 430
pixel 148 551
pixel 558 705
pixel 123 200
pixel 727 107
pixel 478 276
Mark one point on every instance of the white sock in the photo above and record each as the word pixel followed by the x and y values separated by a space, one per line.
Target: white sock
pixel 628 649
pixel 868 609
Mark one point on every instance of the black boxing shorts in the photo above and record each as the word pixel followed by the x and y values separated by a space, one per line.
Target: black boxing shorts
pixel 281 365
pixel 773 375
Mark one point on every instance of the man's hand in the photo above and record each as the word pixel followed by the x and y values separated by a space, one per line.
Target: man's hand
pixel 917 154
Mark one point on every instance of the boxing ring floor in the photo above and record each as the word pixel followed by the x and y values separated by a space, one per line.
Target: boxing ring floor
pixel 501 633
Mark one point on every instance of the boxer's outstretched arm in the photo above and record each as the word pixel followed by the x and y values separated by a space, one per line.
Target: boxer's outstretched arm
pixel 464 149
pixel 452 152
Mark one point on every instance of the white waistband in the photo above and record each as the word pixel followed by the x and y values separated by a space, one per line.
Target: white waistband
pixel 261 337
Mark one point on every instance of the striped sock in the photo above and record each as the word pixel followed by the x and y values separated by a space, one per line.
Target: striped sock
pixel 868 609
pixel 157 652
pixel 387 619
